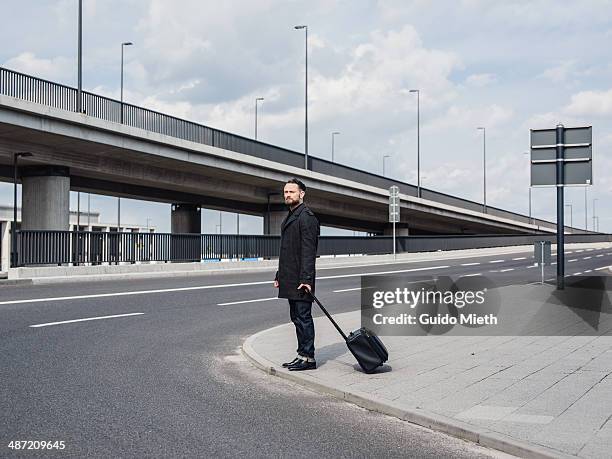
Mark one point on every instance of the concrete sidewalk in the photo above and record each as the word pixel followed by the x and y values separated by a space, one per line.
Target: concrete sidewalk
pixel 531 396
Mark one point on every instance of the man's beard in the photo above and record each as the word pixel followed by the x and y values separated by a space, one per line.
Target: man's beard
pixel 290 202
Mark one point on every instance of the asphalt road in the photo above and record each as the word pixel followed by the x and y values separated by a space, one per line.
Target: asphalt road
pixel 170 381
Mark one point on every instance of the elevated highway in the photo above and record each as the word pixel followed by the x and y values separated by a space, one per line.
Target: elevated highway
pixel 156 157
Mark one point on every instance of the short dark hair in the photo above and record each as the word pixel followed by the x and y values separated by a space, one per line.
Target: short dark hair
pixel 298 182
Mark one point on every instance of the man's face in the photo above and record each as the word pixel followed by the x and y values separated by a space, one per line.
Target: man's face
pixel 293 194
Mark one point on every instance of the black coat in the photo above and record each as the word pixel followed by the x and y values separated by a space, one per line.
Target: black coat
pixel 298 251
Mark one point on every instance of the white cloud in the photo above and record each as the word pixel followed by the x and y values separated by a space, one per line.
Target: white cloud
pixel 480 80
pixel 590 103
pixel 560 73
pixel 55 68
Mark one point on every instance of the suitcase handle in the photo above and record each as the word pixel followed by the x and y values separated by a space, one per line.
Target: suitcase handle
pixel 327 314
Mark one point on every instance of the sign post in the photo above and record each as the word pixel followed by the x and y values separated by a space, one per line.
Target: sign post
pixel 542 254
pixel 394 212
pixel 561 157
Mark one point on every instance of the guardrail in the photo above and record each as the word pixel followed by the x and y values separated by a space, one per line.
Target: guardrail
pixel 37 90
pixel 91 247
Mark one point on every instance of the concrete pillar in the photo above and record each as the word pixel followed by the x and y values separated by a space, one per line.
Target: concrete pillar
pixel 400 230
pixel 186 218
pixel 5 246
pixel 272 222
pixel 45 197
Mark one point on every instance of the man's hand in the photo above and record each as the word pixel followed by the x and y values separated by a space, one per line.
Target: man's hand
pixel 304 285
pixel 275 283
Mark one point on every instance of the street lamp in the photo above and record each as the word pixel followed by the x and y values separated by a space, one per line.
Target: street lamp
pixel 14 229
pixel 335 133
pixel 385 157
pixel 79 103
pixel 594 217
pixel 126 43
pixel 484 166
pixel 256 100
pixel 418 93
pixel 571 216
pixel 305 27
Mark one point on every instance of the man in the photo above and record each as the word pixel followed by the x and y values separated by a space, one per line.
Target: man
pixel 296 271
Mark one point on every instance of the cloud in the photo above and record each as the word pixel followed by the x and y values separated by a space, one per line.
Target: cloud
pixel 590 103
pixel 480 80
pixel 55 68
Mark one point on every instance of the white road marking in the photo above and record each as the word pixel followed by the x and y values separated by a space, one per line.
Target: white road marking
pixel 248 301
pixel 577 274
pixel 506 270
pixel 470 275
pixel 497 261
pixel 572 260
pixel 207 287
pixel 608 253
pixel 531 266
pixel 600 255
pixel 519 258
pixel 429 268
pixel 86 319
pixel 469 264
pixel 579 251
pixel 586 258
pixel 589 271
pixel 347 290
pixel 603 267
pixel 568 253
pixel 554 263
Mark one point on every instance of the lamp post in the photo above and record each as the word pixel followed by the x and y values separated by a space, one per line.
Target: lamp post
pixel 14 229
pixel 571 215
pixel 256 100
pixel 79 106
pixel 333 134
pixel 594 217
pixel 484 166
pixel 418 93
pixel 305 27
pixel 126 43
pixel 385 157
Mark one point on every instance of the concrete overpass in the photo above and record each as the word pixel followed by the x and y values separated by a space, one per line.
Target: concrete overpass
pixel 156 157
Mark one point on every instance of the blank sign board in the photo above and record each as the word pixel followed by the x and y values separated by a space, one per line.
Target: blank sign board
pixel 577 156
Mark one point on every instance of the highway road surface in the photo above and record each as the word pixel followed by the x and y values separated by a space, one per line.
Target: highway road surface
pixel 152 368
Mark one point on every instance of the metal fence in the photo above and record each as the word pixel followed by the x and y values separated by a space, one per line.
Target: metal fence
pixel 63 97
pixel 90 247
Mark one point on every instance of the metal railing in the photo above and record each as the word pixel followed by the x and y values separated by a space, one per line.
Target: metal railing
pixel 37 90
pixel 91 247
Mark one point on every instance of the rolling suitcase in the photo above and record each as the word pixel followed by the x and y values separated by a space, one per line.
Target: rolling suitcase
pixel 365 346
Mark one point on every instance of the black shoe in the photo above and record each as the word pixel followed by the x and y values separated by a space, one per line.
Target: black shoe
pixel 293 362
pixel 303 365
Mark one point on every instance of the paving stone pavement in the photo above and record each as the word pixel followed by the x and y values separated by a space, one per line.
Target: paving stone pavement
pixel 553 392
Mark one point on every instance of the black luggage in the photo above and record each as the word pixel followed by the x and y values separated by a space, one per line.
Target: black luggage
pixel 367 348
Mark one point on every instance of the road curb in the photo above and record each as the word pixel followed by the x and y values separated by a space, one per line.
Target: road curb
pixel 13 282
pixel 424 418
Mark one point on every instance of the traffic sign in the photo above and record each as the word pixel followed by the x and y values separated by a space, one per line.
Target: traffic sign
pixel 394 204
pixel 577 157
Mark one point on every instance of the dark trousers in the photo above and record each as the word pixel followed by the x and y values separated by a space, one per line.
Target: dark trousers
pixel 301 316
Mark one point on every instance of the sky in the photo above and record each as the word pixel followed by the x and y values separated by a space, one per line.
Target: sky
pixel 507 66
